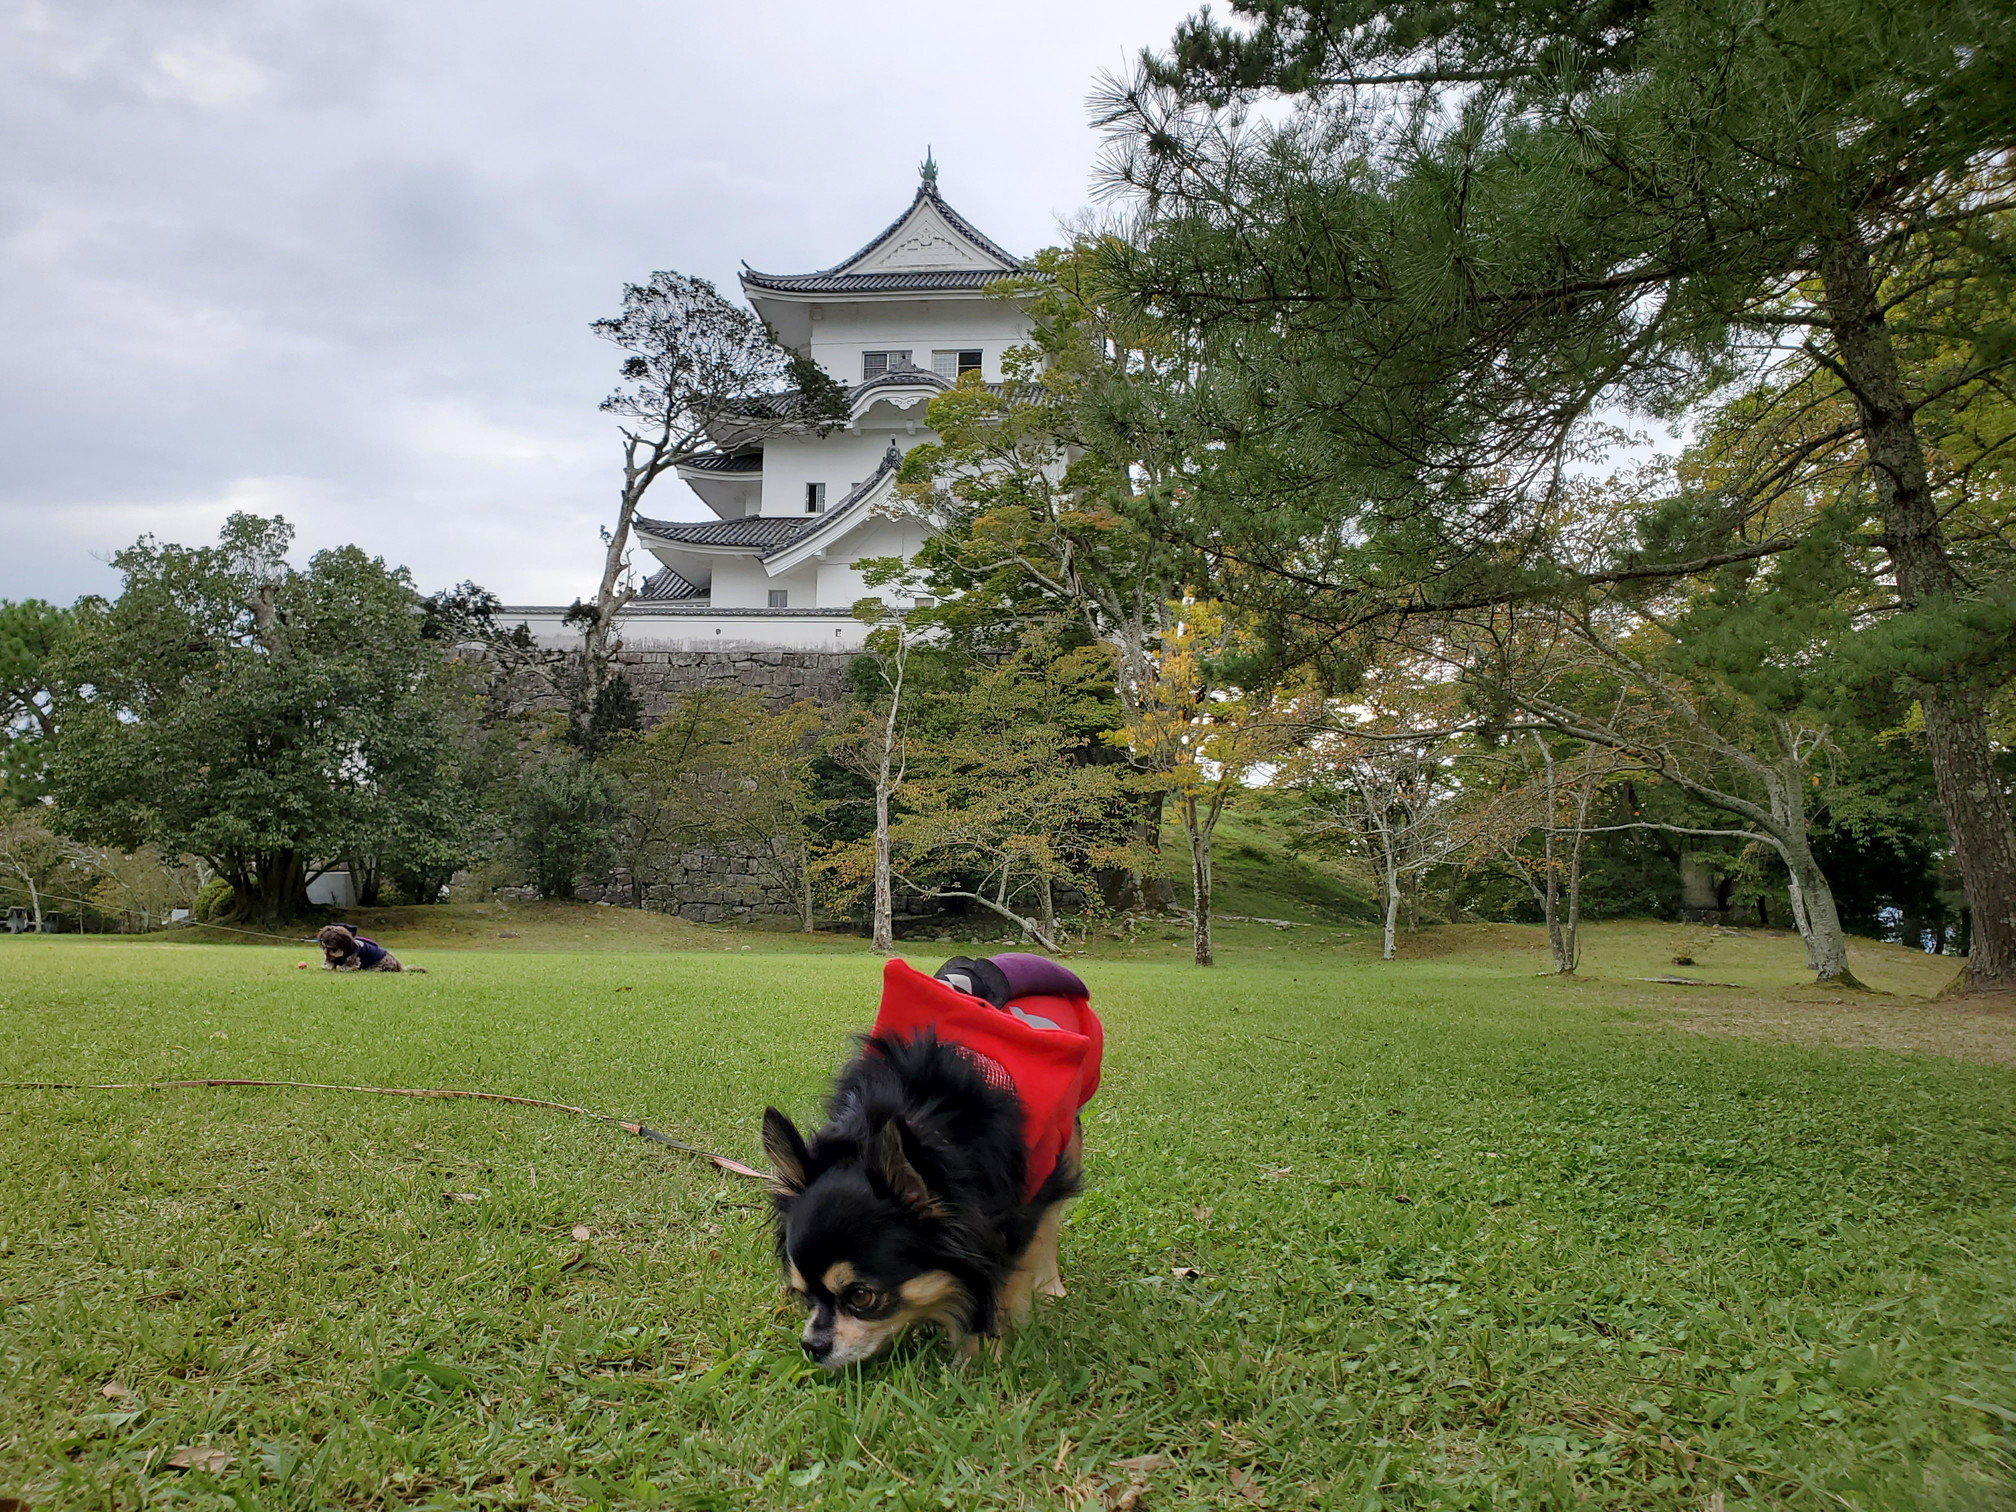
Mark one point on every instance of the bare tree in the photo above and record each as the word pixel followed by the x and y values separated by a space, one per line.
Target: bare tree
pixel 1749 761
pixel 1555 800
pixel 1395 799
pixel 876 748
pixel 31 855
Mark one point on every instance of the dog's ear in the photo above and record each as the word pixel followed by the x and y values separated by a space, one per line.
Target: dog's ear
pixel 789 1159
pixel 899 1157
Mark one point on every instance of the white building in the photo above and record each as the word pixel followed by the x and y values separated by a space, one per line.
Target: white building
pixel 899 322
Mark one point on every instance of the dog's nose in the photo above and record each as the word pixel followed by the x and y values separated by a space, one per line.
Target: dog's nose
pixel 818 1349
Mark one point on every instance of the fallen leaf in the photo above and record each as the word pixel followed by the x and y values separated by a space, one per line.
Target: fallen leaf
pixel 191 1457
pixel 1144 1463
pixel 1181 1273
pixel 1201 1214
pixel 14 1504
pixel 460 1197
pixel 576 1259
pixel 581 1233
pixel 1402 1197
pixel 113 1390
pixel 1493 1155
pixel 1244 1483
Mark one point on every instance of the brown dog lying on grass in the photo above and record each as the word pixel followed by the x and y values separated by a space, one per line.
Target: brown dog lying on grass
pixel 343 949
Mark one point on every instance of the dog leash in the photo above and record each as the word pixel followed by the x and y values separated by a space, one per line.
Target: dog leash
pixel 641 1130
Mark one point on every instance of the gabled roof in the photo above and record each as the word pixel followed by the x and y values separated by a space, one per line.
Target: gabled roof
pixel 930 246
pixel 770 538
pixel 840 520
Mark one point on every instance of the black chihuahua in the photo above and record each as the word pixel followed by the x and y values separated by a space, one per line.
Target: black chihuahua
pixel 935 1190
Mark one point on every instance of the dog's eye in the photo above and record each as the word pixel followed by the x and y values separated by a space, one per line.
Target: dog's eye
pixel 863 1302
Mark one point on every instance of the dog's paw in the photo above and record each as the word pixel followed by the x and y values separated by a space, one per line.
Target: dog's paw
pixel 1051 1286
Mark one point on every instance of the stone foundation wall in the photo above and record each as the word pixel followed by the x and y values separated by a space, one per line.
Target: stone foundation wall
pixel 706 886
pixel 782 677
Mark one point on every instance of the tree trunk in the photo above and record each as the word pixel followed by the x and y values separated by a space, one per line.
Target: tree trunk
pixel 1200 879
pixel 1392 896
pixel 1550 900
pixel 886 778
pixel 1956 729
pixel 1152 892
pixel 278 889
pixel 1813 904
pixel 1572 933
pixel 884 931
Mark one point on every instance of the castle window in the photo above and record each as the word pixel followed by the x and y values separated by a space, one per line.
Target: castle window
pixel 780 598
pixel 954 365
pixel 875 364
pixel 815 497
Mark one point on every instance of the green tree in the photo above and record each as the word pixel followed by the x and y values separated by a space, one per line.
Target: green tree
pixel 563 816
pixel 1483 226
pixel 1000 805
pixel 264 718
pixel 1048 493
pixel 31 632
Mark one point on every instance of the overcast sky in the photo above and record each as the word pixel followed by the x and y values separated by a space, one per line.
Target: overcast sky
pixel 336 259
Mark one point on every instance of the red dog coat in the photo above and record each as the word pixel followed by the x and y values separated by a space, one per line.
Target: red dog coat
pixel 1045 1044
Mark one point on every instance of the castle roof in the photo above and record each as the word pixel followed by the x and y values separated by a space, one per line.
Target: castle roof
pixel 666 586
pixel 750 532
pixel 929 248
pixel 727 463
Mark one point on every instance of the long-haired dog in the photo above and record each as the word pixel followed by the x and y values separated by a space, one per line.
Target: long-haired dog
pixel 935 1189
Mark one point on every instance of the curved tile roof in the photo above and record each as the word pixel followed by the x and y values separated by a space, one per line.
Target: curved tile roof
pixel 837 280
pixel 725 462
pixel 908 376
pixel 758 531
pixel 666 586
pixel 873 283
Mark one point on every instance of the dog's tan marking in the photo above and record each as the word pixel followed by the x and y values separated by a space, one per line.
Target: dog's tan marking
pixel 926 1293
pixel 838 1277
pixel 1045 1278
pixel 796 1277
pixel 933 1297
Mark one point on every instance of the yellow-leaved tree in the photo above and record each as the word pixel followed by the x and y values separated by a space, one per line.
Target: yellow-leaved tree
pixel 1205 735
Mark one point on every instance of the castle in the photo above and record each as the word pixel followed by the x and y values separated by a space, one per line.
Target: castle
pixel 771 579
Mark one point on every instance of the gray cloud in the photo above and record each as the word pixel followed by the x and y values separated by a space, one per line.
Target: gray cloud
pixel 338 259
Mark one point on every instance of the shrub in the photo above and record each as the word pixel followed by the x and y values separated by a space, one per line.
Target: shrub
pixel 214 900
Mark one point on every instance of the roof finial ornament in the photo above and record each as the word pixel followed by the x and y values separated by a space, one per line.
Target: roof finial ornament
pixel 928 170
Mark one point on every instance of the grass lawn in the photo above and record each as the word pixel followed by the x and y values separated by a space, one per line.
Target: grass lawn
pixel 1439 1232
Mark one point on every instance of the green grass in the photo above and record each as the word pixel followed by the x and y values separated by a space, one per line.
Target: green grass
pixel 1463 1236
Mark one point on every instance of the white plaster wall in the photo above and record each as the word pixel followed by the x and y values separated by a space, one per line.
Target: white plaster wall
pixel 839 460
pixel 644 631
pixel 741 583
pixel 844 331
pixel 840 585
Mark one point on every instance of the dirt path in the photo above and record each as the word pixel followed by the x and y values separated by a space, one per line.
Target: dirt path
pixel 1970 1029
